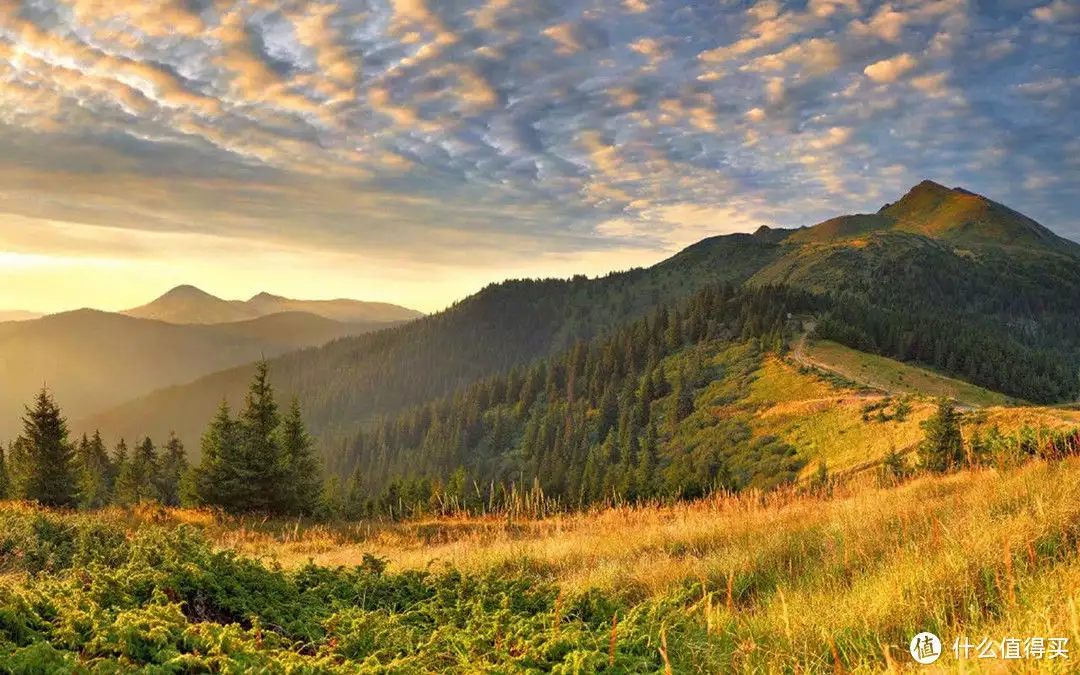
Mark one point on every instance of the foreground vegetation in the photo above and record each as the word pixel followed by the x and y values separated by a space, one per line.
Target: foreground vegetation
pixel 759 582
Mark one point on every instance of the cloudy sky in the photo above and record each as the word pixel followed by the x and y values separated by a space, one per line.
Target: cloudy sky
pixel 413 150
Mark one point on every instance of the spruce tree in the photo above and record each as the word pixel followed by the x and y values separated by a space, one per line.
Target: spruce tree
pixel 356 496
pixel 261 464
pixel 172 467
pixel 51 476
pixel 683 400
pixel 609 409
pixel 119 461
pixel 95 471
pixel 302 468
pixel 647 464
pixel 135 483
pixel 215 480
pixel 942 448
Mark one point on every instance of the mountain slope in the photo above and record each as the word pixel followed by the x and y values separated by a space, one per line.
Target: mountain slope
pixel 350 382
pixel 964 218
pixel 994 286
pixel 349 311
pixel 187 304
pixel 953 215
pixel 94 360
pixel 190 305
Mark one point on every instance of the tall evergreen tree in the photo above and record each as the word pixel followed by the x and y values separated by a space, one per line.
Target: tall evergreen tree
pixel 302 468
pixel 135 483
pixel 261 463
pixel 172 467
pixel 216 483
pixel 51 478
pixel 119 459
pixel 355 496
pixel 683 399
pixel 942 448
pixel 95 469
pixel 647 464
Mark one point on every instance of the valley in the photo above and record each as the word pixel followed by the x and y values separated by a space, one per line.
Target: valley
pixel 94 360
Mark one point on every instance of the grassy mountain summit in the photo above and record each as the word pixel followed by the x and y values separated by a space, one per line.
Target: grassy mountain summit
pixel 187 304
pixel 962 217
pixel 953 215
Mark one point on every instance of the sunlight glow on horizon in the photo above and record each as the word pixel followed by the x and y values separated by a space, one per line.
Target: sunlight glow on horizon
pixel 81 272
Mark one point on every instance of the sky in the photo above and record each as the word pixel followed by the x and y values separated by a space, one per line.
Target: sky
pixel 412 151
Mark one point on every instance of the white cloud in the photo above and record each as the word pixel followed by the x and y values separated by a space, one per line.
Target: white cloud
pixel 832 138
pixel 889 70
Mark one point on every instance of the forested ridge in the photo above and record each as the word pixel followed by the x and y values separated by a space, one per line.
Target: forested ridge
pixel 656 409
pixel 352 381
pixel 607 420
pixel 469 394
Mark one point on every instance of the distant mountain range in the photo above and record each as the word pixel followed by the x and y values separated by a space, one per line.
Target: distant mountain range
pixel 94 360
pixel 17 315
pixel 936 254
pixel 190 305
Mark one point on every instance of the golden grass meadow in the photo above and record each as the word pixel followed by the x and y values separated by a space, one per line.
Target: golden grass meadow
pixel 773 582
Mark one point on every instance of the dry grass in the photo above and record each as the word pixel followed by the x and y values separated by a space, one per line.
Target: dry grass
pixel 889 375
pixel 779 579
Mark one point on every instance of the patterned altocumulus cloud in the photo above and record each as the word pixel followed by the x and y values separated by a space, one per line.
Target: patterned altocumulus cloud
pixel 422 129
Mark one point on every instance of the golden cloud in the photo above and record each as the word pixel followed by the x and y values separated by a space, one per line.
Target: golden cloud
pixel 563 34
pixel 889 70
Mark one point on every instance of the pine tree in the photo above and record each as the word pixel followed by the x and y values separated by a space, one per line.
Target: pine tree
pixel 942 448
pixel 215 480
pixel 95 473
pixel 135 483
pixel 302 469
pixel 51 475
pixel 355 496
pixel 260 462
pixel 647 464
pixel 116 464
pixel 683 399
pixel 609 409
pixel 119 461
pixel 172 467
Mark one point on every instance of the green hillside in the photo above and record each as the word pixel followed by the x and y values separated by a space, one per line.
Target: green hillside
pixel 894 377
pixel 996 310
pixel 351 381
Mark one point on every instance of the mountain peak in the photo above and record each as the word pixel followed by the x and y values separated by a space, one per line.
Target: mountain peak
pixel 955 215
pixel 185 291
pixel 930 186
pixel 265 297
